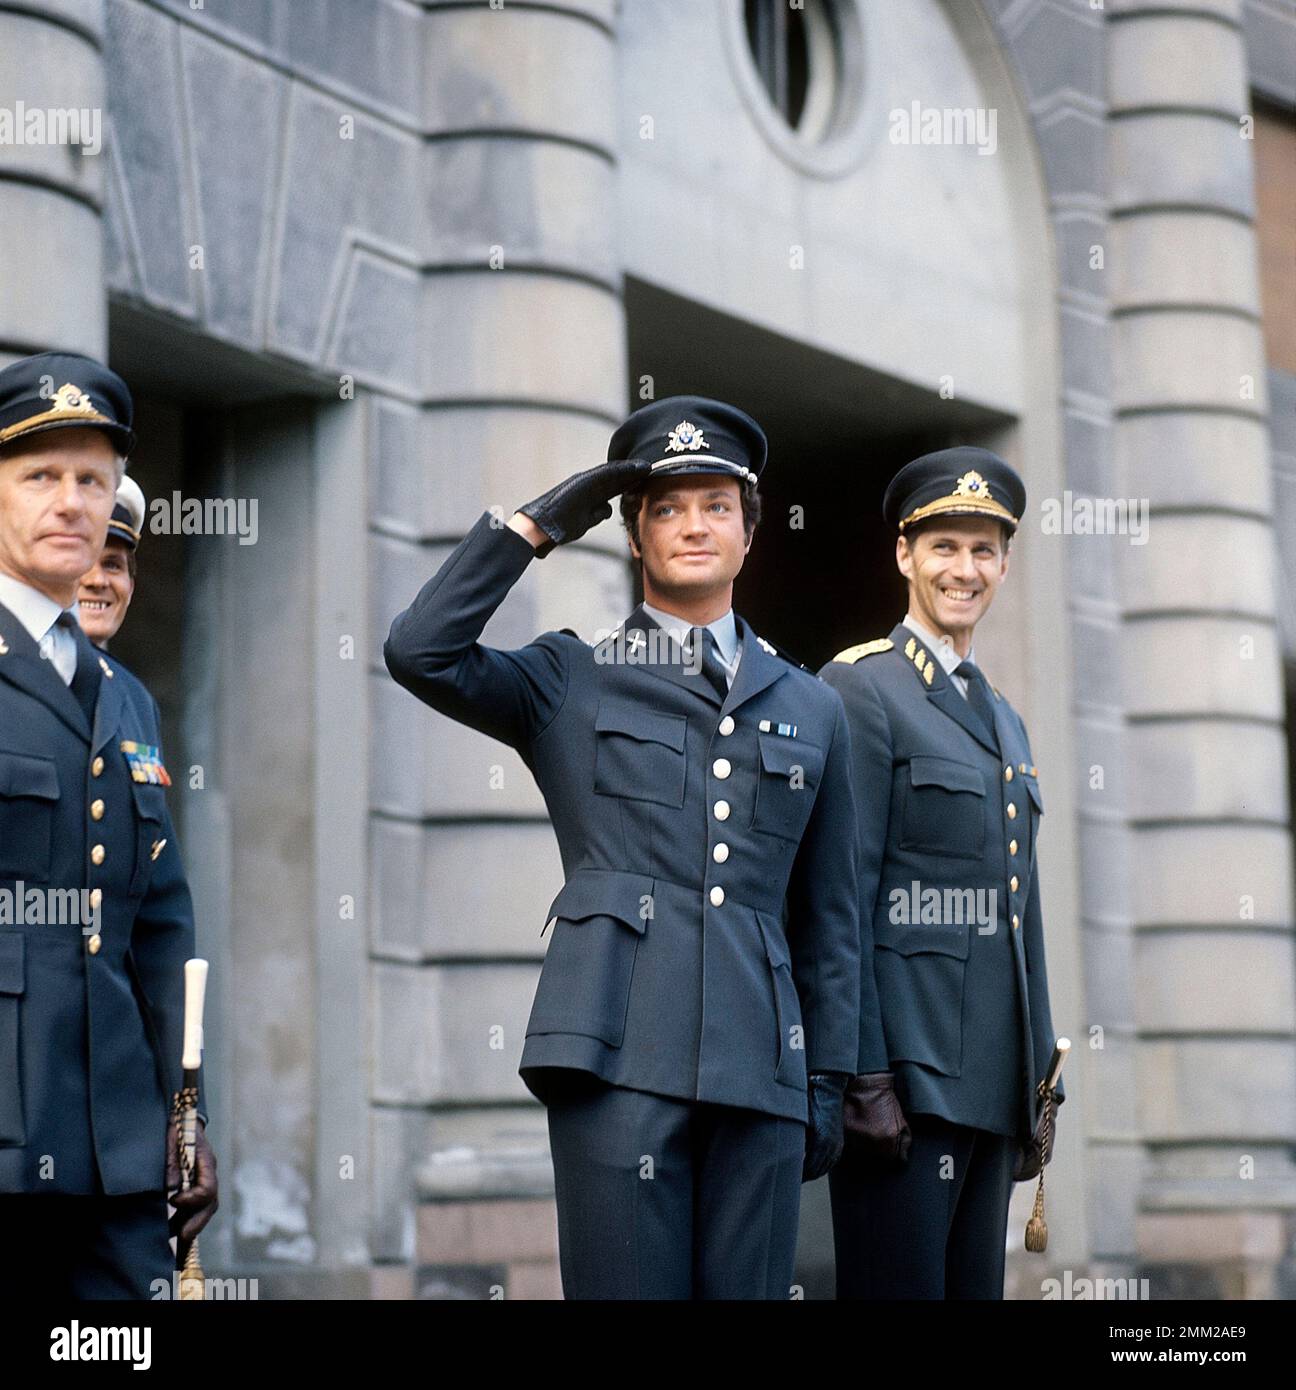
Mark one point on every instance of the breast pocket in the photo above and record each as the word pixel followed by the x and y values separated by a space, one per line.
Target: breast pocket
pixel 639 753
pixel 150 840
pixel 785 791
pixel 585 981
pixel 29 790
pixel 944 808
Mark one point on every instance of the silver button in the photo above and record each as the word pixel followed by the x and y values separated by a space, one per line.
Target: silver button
pixel 721 768
pixel 727 725
pixel 720 853
pixel 717 896
pixel 721 809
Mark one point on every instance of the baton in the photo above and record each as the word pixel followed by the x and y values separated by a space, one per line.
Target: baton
pixel 185 1109
pixel 1037 1227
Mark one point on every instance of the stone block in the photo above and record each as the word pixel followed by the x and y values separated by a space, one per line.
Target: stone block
pixel 1207 770
pixel 1191 359
pixel 1175 60
pixel 516 69
pixel 1198 876
pixel 1179 567
pixel 1181 159
pixel 514 203
pixel 493 335
pixel 1213 1089
pixel 1215 982
pixel 1235 667
pixel 44 304
pixel 1183 258
pixel 1174 460
pixel 429 900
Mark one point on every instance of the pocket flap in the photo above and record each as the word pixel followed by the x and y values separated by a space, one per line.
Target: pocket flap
pixel 626 717
pixel 925 771
pixel 603 893
pixel 1033 791
pixel 21 775
pixel 150 800
pixel 12 974
pixel 919 938
pixel 775 942
pixel 784 755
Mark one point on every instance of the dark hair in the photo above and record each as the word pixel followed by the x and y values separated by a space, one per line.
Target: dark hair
pixel 632 505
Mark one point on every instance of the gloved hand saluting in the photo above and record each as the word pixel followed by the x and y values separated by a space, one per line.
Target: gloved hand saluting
pixel 824 1136
pixel 567 511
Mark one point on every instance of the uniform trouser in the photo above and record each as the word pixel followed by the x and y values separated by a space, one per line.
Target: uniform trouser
pixel 665 1198
pixel 60 1246
pixel 933 1227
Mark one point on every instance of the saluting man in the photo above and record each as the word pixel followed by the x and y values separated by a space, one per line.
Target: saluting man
pixel 90 1008
pixel 955 1030
pixel 691 1049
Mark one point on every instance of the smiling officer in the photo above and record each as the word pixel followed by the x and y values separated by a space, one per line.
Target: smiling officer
pixel 955 1031
pixel 691 1049
pixel 90 1008
pixel 106 590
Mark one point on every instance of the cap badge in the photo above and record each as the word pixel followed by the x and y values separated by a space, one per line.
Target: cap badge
pixel 72 400
pixel 973 485
pixel 685 437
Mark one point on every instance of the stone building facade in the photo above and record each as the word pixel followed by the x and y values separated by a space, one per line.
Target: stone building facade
pixel 381 264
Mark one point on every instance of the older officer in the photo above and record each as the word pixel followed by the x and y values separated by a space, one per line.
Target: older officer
pixel 105 592
pixel 90 1009
pixel 695 786
pixel 955 1028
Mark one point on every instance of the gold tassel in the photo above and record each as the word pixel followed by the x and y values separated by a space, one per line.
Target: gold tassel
pixel 1037 1227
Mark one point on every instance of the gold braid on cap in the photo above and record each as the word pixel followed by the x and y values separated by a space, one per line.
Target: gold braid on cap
pixel 70 403
pixel 971 494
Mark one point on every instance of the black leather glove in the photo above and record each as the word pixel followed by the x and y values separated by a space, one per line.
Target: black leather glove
pixel 875 1124
pixel 824 1132
pixel 567 511
pixel 1039 1152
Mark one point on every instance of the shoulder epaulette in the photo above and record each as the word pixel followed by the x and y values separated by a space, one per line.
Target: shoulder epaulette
pixel 774 650
pixel 863 649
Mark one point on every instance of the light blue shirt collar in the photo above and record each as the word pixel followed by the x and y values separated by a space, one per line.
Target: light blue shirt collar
pixel 37 612
pixel 724 630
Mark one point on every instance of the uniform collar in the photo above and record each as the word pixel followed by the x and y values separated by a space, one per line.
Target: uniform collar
pixel 940 647
pixel 724 630
pixel 37 612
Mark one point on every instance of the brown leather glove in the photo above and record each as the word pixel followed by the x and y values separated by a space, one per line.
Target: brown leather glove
pixel 1039 1152
pixel 196 1205
pixel 875 1124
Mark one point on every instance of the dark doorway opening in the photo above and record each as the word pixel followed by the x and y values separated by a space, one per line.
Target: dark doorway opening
pixel 821 574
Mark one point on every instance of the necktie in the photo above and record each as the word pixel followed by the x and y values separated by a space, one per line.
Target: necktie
pixel 712 669
pixel 979 696
pixel 87 676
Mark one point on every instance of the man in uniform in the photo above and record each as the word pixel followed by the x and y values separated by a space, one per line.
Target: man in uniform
pixel 692 1049
pixel 106 590
pixel 955 1031
pixel 90 1009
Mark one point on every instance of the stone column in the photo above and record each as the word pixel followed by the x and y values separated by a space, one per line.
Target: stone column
pixel 1213 987
pixel 51 194
pixel 522 377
